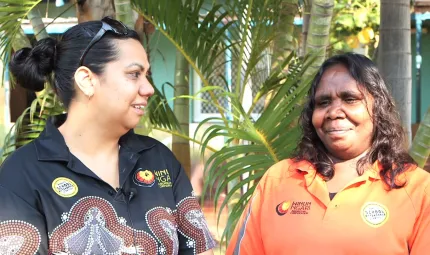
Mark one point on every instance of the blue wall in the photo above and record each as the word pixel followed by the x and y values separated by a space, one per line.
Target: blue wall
pixel 425 76
pixel 162 54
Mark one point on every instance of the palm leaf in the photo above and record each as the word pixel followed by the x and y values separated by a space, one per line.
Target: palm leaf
pixel 254 32
pixel 420 149
pixel 272 138
pixel 11 12
pixel 31 122
pixel 199 39
pixel 160 113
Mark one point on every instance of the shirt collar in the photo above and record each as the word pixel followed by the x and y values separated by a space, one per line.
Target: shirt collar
pixel 310 171
pixel 51 146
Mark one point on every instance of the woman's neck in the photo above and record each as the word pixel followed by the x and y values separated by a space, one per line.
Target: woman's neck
pixel 83 134
pixel 344 172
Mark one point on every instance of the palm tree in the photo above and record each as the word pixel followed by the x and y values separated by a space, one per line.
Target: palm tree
pixel 394 56
pixel 246 30
pixel 87 10
pixel 180 145
pixel 319 29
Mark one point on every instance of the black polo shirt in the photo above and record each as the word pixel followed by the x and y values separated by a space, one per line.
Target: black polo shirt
pixel 51 203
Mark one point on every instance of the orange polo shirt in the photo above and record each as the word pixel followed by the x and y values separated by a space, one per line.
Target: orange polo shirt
pixel 290 212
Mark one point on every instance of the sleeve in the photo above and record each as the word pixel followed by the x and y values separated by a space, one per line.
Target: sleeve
pixel 420 241
pixel 22 227
pixel 246 238
pixel 194 235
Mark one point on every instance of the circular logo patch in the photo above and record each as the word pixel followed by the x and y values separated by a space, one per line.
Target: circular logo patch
pixel 282 208
pixel 144 178
pixel 374 214
pixel 64 187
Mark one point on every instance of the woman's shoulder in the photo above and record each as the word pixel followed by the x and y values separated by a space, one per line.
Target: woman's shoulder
pixel 289 168
pixel 417 184
pixel 149 142
pixel 19 170
pixel 19 162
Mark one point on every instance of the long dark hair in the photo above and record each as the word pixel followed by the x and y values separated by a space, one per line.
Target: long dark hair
pixel 32 67
pixel 388 136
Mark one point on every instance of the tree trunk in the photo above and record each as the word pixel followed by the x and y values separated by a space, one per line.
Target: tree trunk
pixel 124 12
pixel 305 27
pixel 37 24
pixel 284 42
pixel 87 10
pixel 420 149
pixel 319 33
pixel 394 56
pixel 181 146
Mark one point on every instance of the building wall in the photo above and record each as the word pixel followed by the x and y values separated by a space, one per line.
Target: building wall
pixel 425 76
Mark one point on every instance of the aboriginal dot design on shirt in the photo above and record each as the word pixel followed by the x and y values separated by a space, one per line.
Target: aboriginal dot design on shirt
pixel 162 224
pixel 93 227
pixel 193 225
pixel 18 237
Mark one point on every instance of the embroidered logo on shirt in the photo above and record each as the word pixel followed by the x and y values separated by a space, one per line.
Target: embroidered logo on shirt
pixel 282 208
pixel 293 208
pixel 64 187
pixel 144 178
pixel 374 214
pixel 163 178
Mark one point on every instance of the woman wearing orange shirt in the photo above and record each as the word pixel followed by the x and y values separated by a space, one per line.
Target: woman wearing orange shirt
pixel 351 188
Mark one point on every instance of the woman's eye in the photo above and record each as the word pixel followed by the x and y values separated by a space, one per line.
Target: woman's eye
pixel 135 75
pixel 350 100
pixel 323 103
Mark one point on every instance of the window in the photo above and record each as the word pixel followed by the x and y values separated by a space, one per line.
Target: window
pixel 203 109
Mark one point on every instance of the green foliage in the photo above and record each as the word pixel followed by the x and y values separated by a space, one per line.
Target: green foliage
pixel 31 122
pixel 420 149
pixel 272 138
pixel 10 12
pixel 350 18
pixel 246 30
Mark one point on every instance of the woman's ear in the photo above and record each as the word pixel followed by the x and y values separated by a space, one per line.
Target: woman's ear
pixel 84 78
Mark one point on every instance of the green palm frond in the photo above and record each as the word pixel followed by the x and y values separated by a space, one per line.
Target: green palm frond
pixel 273 137
pixel 253 32
pixel 242 31
pixel 420 149
pixel 160 113
pixel 31 122
pixel 199 38
pixel 11 13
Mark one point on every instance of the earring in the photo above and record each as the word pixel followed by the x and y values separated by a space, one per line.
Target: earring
pixel 89 95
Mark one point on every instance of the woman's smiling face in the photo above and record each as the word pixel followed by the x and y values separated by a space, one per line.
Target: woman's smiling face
pixel 342 116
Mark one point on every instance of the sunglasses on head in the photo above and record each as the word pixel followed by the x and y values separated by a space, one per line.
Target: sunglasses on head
pixel 108 25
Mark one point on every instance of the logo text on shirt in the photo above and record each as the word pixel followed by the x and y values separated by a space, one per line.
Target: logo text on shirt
pixel 293 208
pixel 163 178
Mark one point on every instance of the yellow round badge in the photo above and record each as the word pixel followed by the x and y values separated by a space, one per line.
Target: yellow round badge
pixel 374 214
pixel 64 187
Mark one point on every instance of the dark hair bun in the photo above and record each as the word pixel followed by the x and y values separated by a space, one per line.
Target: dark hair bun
pixel 32 67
